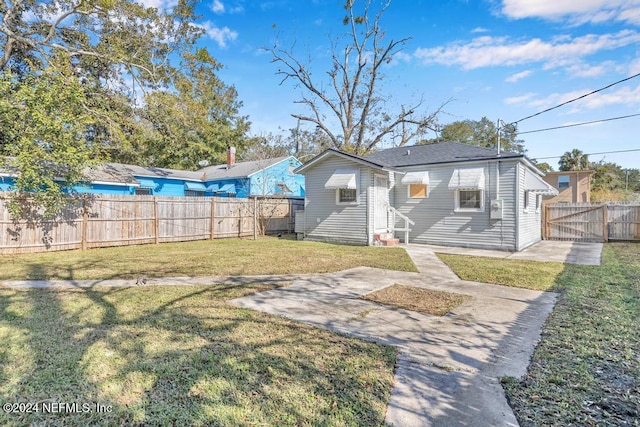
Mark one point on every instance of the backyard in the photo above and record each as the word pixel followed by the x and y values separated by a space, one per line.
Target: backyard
pixel 182 355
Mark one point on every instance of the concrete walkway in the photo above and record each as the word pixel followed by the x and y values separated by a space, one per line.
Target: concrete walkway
pixel 583 253
pixel 448 367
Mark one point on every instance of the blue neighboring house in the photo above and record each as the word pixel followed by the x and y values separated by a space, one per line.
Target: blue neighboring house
pixel 269 177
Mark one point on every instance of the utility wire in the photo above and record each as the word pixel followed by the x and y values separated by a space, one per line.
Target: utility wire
pixel 576 99
pixel 580 124
pixel 592 154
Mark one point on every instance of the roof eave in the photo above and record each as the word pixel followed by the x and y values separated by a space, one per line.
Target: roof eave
pixel 352 157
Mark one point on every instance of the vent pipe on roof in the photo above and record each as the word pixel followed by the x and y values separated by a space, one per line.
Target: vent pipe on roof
pixel 231 157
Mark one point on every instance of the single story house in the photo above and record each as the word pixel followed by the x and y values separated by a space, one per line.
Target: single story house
pixel 446 193
pixel 269 177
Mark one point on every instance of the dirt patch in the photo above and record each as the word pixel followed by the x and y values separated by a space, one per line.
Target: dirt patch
pixel 425 301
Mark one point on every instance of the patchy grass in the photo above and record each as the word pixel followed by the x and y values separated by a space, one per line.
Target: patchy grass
pixel 223 257
pixel 586 369
pixel 541 276
pixel 425 301
pixel 181 356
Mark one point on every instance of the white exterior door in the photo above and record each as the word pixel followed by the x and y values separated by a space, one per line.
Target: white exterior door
pixel 381 201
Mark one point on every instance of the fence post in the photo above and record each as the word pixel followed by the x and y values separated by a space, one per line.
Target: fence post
pixel 85 221
pixel 547 225
pixel 255 218
pixel 605 223
pixel 213 216
pixel 156 226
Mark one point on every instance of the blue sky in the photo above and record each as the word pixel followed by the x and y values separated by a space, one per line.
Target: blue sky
pixel 504 59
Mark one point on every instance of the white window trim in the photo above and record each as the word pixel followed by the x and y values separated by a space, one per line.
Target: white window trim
pixel 532 198
pixel 457 201
pixel 357 202
pixel 426 193
pixel 527 201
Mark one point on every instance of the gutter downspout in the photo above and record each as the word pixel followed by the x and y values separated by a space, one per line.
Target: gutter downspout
pixel 517 231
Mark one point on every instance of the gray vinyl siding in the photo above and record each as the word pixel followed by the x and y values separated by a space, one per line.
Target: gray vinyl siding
pixel 529 227
pixel 437 222
pixel 327 221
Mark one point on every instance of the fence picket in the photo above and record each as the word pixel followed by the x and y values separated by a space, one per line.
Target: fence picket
pixel 108 220
pixel 592 222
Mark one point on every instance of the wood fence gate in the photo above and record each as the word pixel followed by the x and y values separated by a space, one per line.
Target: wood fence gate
pixel 592 222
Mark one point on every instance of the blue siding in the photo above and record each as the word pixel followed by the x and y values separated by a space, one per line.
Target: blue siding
pixel 241 184
pixel 167 186
pixel 5 183
pixel 265 182
pixel 273 180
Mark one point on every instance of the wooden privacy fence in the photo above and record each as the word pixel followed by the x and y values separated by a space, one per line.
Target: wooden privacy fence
pixel 103 221
pixel 592 222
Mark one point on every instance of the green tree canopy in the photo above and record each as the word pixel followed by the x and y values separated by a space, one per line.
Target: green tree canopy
pixel 90 80
pixel 574 160
pixel 482 133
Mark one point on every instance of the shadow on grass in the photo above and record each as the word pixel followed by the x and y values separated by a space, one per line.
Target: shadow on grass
pixel 586 369
pixel 181 356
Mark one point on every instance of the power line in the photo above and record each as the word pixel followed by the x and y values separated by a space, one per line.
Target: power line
pixel 576 99
pixel 592 154
pixel 580 124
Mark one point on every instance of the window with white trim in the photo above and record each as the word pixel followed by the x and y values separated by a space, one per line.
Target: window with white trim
pixel 529 201
pixel 142 191
pixel 468 184
pixel 345 182
pixel 470 200
pixel 347 196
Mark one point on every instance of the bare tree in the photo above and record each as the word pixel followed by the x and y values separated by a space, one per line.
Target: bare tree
pixel 352 95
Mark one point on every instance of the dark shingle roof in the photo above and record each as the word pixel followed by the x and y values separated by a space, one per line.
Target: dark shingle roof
pixel 440 152
pixel 239 169
pixel 119 172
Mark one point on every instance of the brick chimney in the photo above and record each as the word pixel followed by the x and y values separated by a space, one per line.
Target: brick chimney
pixel 231 157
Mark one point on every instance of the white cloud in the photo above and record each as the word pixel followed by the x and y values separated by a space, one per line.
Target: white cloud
pixel 628 96
pixel 489 51
pixel 401 57
pixel 586 70
pixel 518 76
pixel 217 7
pixel 478 30
pixel 575 11
pixel 220 35
pixel 518 100
pixel 159 4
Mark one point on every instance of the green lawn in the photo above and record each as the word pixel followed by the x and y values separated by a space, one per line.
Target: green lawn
pixel 586 369
pixel 181 356
pixel 536 275
pixel 223 257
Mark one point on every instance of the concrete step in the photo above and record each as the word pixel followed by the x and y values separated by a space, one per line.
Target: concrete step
pixel 390 242
pixel 382 236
